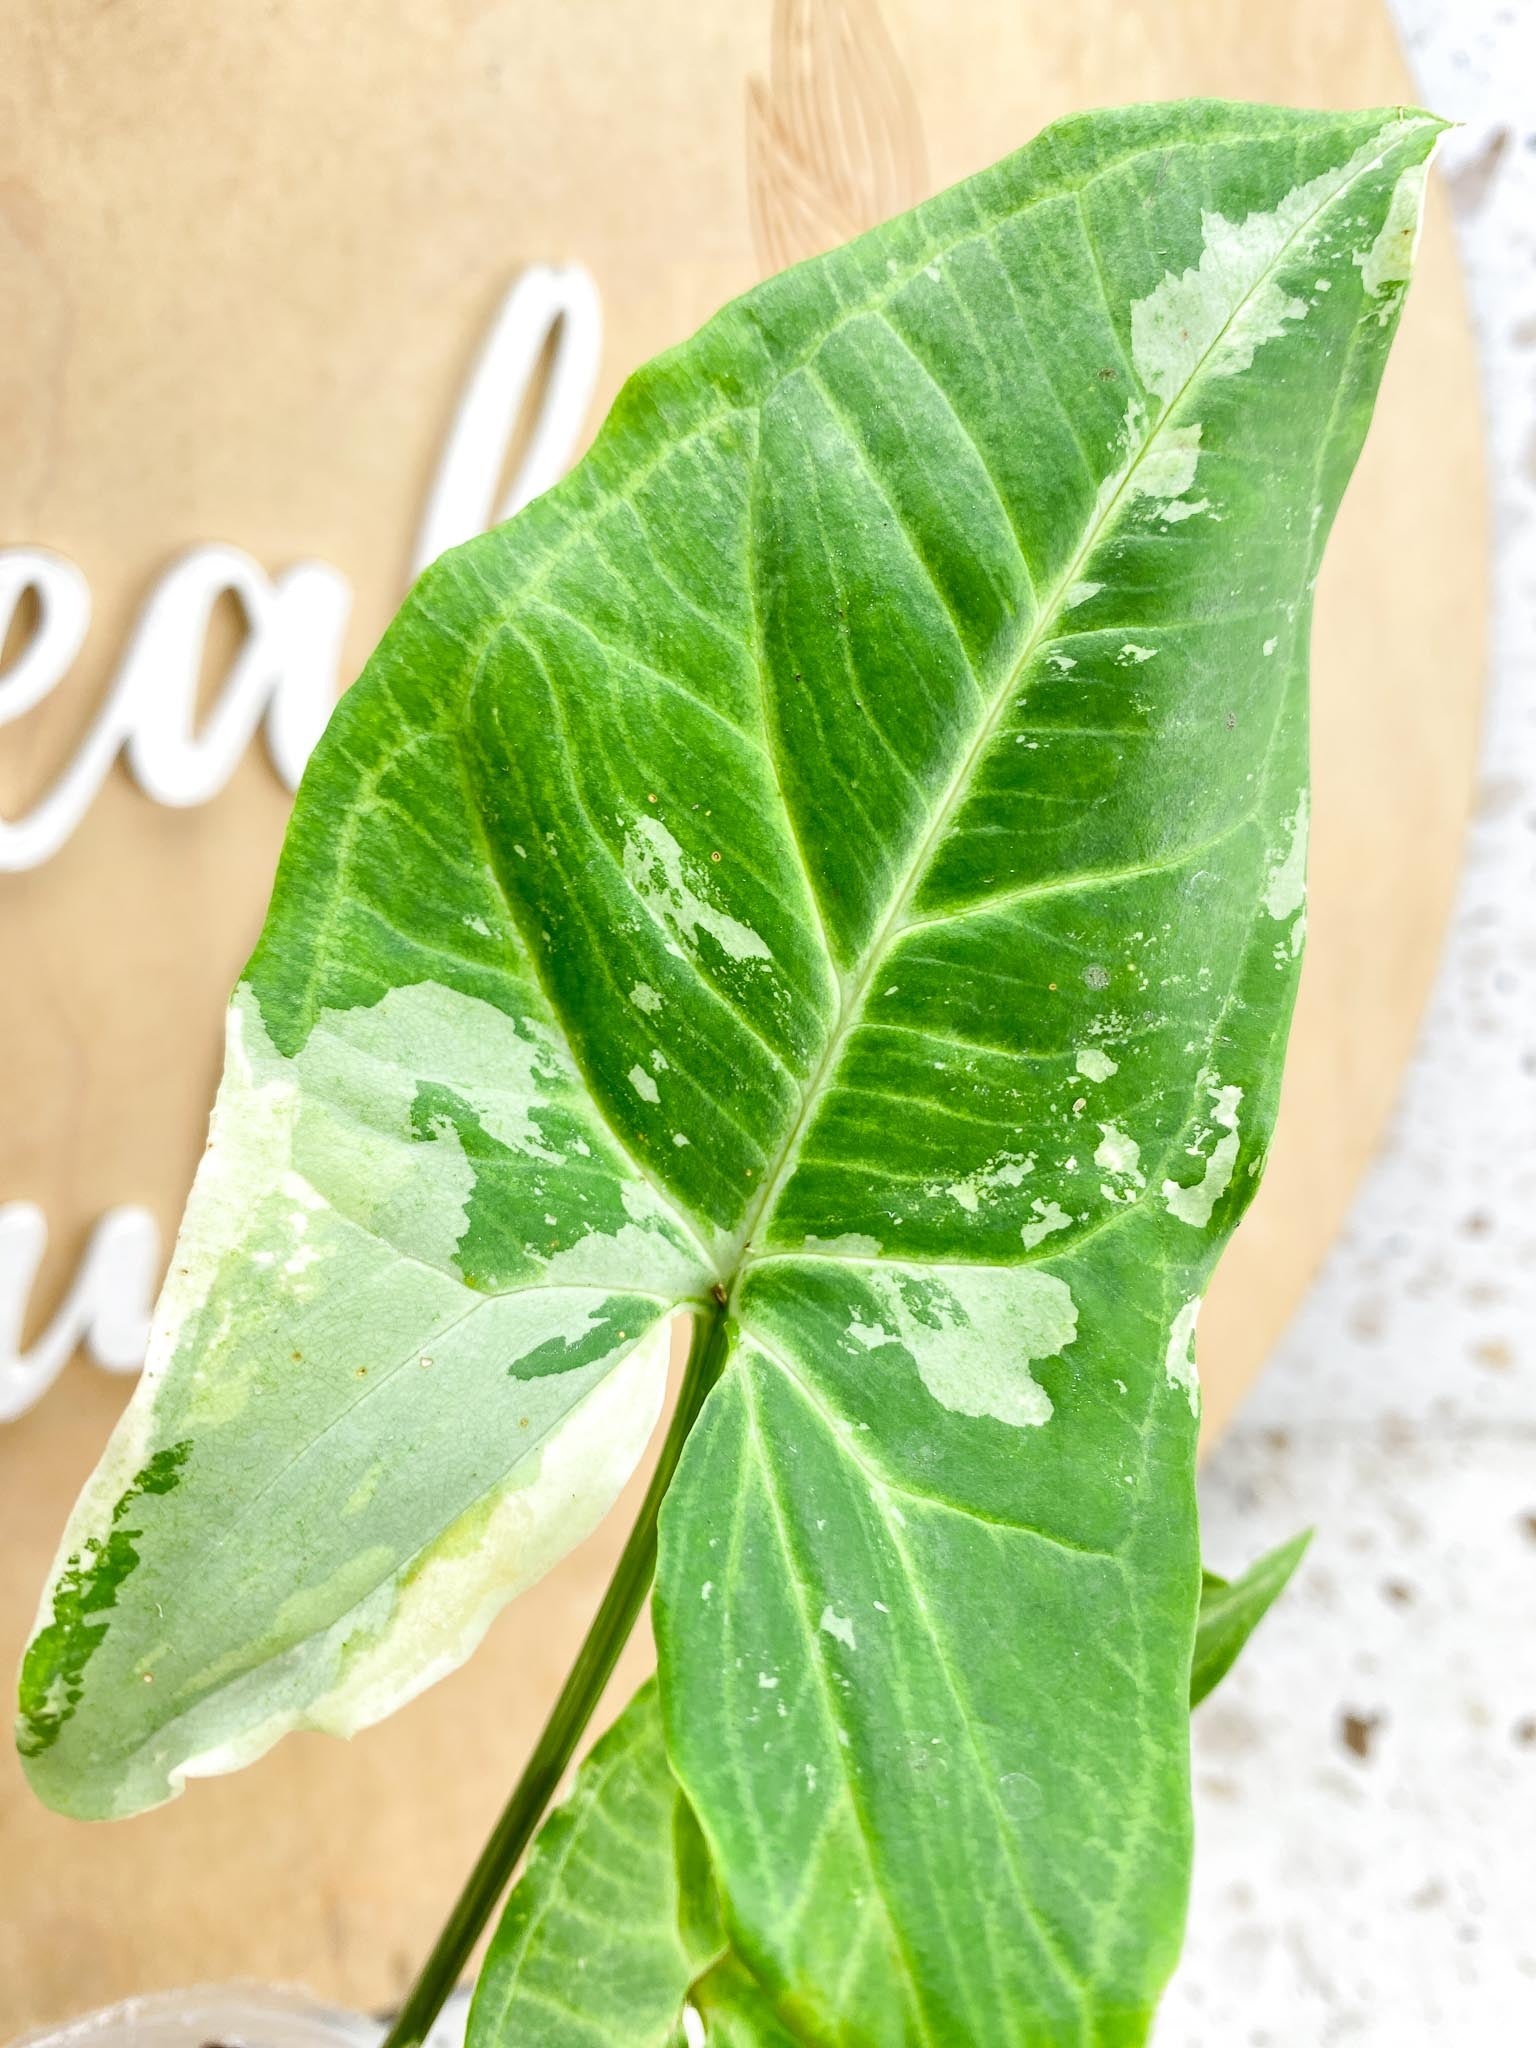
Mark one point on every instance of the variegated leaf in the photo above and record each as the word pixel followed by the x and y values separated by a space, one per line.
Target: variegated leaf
pixel 836 864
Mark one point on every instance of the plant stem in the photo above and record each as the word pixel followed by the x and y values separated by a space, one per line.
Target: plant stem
pixel 583 1688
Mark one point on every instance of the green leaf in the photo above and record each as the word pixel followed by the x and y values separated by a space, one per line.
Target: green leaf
pixel 734 2011
pixel 840 854
pixel 615 1915
pixel 615 1925
pixel 614 1928
pixel 1231 1609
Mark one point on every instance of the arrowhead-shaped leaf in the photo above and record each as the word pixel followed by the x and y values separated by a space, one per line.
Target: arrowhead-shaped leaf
pixel 842 851
pixel 1231 1609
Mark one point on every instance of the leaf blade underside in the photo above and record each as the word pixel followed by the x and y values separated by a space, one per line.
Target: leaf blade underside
pixel 613 1929
pixel 613 1918
pixel 844 846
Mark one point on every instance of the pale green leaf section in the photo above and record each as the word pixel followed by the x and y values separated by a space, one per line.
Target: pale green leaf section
pixel 614 1916
pixel 841 853
pixel 1231 1609
pixel 405 1441
pixel 612 1936
pixel 613 1928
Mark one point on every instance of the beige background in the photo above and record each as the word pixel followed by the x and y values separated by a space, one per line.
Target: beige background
pixel 245 259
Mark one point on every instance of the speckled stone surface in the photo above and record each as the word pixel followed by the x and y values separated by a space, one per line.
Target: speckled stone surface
pixel 1366 1779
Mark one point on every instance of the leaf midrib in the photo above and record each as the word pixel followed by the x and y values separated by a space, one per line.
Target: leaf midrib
pixel 899 1944
pixel 854 991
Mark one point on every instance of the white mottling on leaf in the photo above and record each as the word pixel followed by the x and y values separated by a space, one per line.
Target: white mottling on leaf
pixel 1051 1217
pixel 1193 1205
pixel 614 1258
pixel 838 1626
pixel 448 1596
pixel 870 1335
pixel 424 1618
pixel 643 1085
pixel 1387 265
pixel 669 885
pixel 1188 322
pixel 1179 1359
pixel 972 1332
pixel 1167 469
pixel 1119 1154
pixel 1007 1170
pixel 1212 317
pixel 1285 885
pixel 644 997
pixel 1095 1065
pixel 344 1114
pixel 853 1244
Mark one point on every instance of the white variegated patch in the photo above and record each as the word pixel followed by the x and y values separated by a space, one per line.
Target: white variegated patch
pixel 449 1595
pixel 1188 323
pixel 1193 1204
pixel 1285 885
pixel 1179 1359
pixel 319 1261
pixel 671 888
pixel 1388 264
pixel 972 1332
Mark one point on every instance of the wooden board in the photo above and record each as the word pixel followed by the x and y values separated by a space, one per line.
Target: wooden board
pixel 246 256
